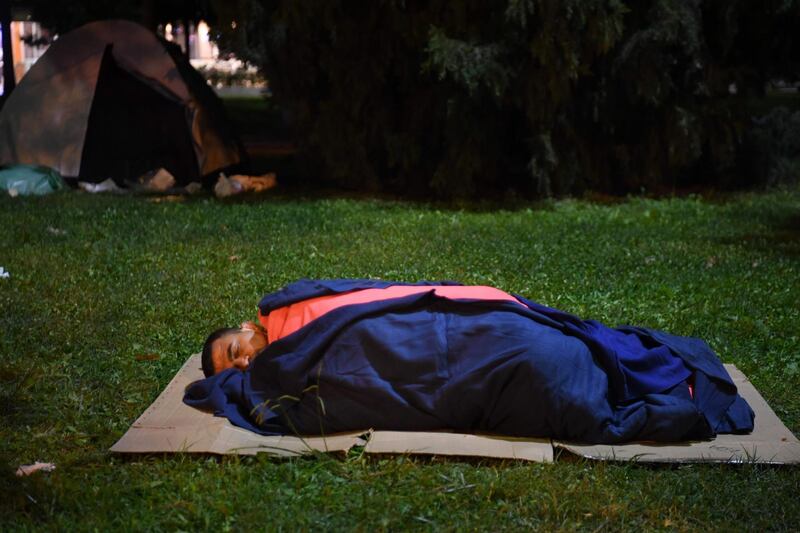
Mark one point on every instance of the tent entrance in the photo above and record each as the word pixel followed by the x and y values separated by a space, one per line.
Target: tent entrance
pixel 133 128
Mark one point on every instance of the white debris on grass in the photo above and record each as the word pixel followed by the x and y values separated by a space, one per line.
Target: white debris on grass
pixel 226 187
pixel 104 186
pixel 27 470
pixel 240 183
pixel 157 180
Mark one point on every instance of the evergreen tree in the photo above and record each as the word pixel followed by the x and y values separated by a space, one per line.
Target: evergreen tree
pixel 541 96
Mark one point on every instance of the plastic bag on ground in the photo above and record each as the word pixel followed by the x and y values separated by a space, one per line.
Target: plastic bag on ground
pixel 107 185
pixel 26 180
pixel 240 183
pixel 158 180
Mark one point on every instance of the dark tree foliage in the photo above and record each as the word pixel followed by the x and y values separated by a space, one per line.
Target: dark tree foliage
pixel 544 97
pixel 773 146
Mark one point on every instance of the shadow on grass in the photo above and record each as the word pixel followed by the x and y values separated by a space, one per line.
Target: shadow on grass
pixel 334 460
pixel 15 398
pixel 292 193
pixel 781 237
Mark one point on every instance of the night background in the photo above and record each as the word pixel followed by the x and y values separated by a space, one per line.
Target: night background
pixel 630 162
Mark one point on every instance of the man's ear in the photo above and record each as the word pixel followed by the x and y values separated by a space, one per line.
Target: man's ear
pixel 249 326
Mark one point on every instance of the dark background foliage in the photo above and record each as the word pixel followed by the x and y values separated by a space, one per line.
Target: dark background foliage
pixel 456 98
pixel 540 97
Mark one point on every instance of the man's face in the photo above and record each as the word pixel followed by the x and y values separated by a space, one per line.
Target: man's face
pixel 236 349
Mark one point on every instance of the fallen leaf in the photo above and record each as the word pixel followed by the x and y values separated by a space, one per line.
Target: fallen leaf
pixel 148 357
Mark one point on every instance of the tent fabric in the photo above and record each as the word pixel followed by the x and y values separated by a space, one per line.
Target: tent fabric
pixel 115 85
pixel 130 140
pixel 423 362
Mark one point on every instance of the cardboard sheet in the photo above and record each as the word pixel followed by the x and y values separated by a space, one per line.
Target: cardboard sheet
pixel 169 425
pixel 770 442
pixel 444 443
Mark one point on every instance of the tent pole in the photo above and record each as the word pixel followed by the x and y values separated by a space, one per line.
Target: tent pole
pixel 186 30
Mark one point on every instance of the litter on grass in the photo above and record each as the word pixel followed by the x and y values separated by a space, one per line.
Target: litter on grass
pixel 239 183
pixel 158 180
pixel 27 470
pixel 106 185
pixel 26 180
pixel 4 274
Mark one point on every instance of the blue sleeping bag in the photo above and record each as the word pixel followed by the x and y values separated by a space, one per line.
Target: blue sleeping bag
pixel 424 362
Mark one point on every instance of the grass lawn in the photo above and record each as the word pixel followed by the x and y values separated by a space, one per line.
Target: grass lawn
pixel 108 296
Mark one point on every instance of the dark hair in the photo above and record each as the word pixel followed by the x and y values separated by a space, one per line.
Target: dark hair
pixel 208 363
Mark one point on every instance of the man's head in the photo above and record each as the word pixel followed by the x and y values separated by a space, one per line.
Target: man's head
pixel 232 348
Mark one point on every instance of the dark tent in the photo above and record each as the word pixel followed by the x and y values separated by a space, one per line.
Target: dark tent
pixel 111 99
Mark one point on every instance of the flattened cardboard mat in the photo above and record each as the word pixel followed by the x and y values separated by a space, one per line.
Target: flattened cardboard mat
pixel 169 425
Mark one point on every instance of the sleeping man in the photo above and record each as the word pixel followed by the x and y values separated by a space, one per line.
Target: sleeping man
pixel 339 355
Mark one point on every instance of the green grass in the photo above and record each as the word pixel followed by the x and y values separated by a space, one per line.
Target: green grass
pixel 98 281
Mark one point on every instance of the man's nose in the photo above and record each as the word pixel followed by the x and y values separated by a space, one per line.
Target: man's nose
pixel 241 362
